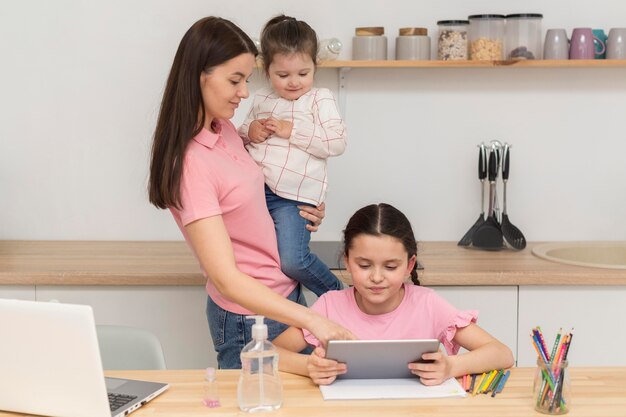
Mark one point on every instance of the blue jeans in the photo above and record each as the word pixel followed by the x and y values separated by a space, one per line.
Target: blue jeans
pixel 231 331
pixel 296 260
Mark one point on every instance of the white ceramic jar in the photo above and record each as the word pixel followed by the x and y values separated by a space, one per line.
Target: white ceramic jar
pixel 369 44
pixel 413 44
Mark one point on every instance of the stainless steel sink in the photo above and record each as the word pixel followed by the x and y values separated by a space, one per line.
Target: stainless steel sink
pixel 594 254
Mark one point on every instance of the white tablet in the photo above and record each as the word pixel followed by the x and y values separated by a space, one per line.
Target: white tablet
pixel 379 359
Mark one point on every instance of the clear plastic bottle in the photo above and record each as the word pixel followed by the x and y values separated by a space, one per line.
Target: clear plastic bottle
pixel 259 387
pixel 329 49
pixel 211 393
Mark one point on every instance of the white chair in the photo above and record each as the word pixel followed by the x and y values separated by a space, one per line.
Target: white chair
pixel 128 348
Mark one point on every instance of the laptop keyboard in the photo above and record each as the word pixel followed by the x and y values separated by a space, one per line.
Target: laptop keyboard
pixel 118 400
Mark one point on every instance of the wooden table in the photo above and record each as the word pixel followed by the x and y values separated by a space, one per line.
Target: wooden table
pixel 595 392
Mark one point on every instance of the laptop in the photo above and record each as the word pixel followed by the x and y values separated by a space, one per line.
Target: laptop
pixel 50 364
pixel 379 359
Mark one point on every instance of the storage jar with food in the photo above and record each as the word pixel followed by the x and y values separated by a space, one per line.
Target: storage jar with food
pixel 523 36
pixel 452 40
pixel 486 37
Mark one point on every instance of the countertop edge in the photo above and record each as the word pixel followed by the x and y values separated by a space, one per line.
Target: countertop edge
pixel 165 263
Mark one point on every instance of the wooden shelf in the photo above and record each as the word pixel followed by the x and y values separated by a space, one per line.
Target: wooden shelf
pixel 577 63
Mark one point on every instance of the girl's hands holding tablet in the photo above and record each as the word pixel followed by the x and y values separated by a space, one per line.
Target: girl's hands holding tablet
pixel 435 371
pixel 321 370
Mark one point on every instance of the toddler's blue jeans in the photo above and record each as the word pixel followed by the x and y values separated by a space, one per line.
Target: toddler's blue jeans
pixel 296 259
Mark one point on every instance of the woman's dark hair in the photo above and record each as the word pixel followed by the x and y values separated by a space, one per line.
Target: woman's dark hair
pixel 208 43
pixel 382 220
pixel 286 35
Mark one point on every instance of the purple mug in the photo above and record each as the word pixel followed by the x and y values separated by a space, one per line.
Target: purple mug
pixel 581 46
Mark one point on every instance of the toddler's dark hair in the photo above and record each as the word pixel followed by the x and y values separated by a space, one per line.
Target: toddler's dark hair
pixel 380 220
pixel 287 35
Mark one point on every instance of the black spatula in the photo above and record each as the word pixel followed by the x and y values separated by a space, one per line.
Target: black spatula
pixel 489 235
pixel 466 240
pixel 512 235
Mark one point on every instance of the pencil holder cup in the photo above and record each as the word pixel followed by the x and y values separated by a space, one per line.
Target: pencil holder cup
pixel 552 388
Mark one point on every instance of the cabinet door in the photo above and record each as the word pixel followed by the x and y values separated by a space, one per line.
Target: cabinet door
pixel 176 315
pixel 595 313
pixel 497 308
pixel 18 292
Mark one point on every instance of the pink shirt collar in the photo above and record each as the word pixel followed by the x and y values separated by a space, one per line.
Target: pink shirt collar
pixel 208 138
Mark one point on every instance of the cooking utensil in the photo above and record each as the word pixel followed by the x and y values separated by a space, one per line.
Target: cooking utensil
pixel 497 146
pixel 489 235
pixel 512 235
pixel 466 240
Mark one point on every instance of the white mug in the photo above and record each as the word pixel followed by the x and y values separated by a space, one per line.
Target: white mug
pixel 556 45
pixel 616 44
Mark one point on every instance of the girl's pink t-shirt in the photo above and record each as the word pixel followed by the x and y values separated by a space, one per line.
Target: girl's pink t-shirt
pixel 220 178
pixel 422 314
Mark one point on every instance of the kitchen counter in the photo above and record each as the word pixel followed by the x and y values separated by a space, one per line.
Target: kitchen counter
pixel 172 263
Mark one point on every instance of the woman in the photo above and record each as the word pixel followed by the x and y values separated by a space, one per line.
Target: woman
pixel 215 191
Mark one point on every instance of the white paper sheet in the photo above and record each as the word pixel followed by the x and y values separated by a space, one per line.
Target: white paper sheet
pixel 365 389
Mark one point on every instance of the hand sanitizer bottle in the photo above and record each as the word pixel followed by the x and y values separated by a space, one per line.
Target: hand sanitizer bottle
pixel 259 387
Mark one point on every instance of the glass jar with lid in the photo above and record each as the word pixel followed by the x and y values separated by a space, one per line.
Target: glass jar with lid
pixel 452 40
pixel 486 37
pixel 523 36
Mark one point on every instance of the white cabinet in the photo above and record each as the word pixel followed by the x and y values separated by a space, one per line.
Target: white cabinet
pixel 18 292
pixel 595 313
pixel 176 314
pixel 496 305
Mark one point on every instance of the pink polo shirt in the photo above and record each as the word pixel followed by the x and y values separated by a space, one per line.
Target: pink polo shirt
pixel 220 178
pixel 422 314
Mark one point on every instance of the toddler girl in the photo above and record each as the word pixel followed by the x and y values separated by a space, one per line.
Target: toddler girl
pixel 380 253
pixel 290 131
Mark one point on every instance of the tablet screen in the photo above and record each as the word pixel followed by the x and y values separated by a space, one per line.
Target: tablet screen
pixel 379 359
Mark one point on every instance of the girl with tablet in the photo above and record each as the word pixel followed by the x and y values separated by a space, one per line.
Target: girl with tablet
pixel 380 253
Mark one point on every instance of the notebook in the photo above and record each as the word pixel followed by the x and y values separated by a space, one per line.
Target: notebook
pixel 50 364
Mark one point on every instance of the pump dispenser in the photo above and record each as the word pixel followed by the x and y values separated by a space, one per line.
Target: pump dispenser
pixel 259 387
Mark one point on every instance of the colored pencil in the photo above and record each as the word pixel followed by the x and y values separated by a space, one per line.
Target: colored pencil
pixel 471 388
pixel 556 343
pixel 487 382
pixel 478 383
pixel 495 381
pixel 503 382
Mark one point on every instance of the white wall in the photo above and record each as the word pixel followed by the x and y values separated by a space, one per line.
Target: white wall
pixel 81 83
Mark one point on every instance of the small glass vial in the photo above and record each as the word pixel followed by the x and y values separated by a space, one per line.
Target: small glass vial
pixel 552 388
pixel 211 393
pixel 486 37
pixel 523 36
pixel 452 40
pixel 329 49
